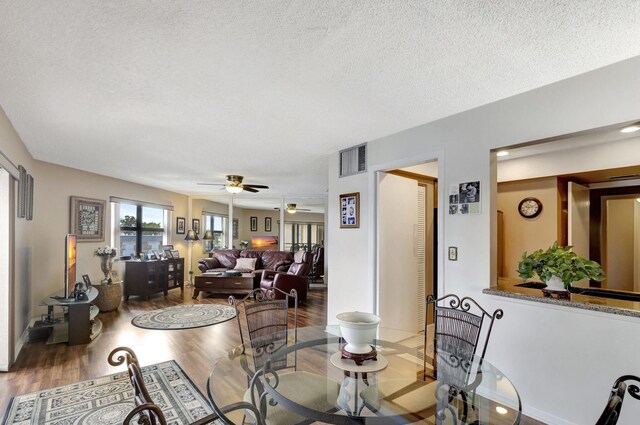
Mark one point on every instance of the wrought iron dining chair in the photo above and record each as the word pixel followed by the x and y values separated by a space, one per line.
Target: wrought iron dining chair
pixel 269 329
pixel 461 330
pixel 611 412
pixel 145 411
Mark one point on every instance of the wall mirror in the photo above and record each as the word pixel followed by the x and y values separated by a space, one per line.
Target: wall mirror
pixel 587 185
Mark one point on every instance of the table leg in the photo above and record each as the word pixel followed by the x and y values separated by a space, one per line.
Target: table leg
pixel 196 292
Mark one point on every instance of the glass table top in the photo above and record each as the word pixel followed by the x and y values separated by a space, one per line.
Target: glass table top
pixel 308 379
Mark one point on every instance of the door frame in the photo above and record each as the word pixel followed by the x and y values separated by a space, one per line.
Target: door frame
pixel 373 250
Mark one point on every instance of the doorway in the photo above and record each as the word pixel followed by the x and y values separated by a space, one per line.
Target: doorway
pixel 407 244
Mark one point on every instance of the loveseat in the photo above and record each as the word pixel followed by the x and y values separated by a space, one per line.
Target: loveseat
pixel 297 277
pixel 227 259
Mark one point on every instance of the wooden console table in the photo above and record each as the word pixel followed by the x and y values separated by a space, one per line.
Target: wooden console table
pixel 149 277
pixel 222 284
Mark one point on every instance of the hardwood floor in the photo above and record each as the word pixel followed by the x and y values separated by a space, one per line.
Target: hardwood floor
pixel 42 366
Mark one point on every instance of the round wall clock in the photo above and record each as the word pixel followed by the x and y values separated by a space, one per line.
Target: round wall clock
pixel 530 207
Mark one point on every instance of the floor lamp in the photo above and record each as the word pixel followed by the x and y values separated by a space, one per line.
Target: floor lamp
pixel 191 237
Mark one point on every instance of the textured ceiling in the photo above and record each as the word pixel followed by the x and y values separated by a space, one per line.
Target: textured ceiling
pixel 170 93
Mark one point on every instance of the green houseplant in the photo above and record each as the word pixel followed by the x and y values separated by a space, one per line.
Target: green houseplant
pixel 560 263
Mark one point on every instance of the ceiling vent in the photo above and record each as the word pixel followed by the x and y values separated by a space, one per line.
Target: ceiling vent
pixel 624 177
pixel 353 160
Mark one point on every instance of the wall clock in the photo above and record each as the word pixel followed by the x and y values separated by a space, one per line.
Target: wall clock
pixel 530 207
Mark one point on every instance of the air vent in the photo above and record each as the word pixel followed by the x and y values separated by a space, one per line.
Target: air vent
pixel 353 160
pixel 624 177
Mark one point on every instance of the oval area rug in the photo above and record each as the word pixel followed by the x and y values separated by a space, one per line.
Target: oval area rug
pixel 184 316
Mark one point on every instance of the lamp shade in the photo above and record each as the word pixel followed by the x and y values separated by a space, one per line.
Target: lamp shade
pixel 208 235
pixel 191 236
pixel 233 189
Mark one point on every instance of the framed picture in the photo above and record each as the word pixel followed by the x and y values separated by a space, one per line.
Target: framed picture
pixel 167 253
pixel 157 254
pixel 175 253
pixel 267 224
pixel 166 247
pixel 29 199
pixel 254 224
pixel 350 210
pixel 86 280
pixel 235 228
pixel 87 219
pixel 114 276
pixel 181 224
pixel 195 225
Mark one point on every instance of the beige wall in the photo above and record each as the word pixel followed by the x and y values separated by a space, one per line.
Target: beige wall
pixel 12 146
pixel 54 185
pixel 619 257
pixel 527 234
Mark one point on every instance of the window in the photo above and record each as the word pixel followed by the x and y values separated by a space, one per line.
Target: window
pixel 304 236
pixel 139 228
pixel 219 225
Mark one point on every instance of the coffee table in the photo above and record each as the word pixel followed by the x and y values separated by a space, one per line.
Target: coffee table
pixel 220 283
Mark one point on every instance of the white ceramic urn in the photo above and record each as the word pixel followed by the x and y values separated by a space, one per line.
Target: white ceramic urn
pixel 358 330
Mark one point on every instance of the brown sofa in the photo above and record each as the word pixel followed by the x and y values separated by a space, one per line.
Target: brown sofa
pixel 225 259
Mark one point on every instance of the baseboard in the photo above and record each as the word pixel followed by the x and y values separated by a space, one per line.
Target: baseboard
pixel 545 417
pixel 24 338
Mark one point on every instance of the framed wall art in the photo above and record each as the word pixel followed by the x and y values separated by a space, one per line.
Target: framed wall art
pixel 235 228
pixel 267 224
pixel 87 219
pixel 195 225
pixel 181 224
pixel 350 210
pixel 254 224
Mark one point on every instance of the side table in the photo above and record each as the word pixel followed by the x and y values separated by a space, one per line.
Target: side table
pixel 109 296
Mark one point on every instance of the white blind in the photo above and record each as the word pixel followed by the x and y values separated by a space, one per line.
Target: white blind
pixel 143 203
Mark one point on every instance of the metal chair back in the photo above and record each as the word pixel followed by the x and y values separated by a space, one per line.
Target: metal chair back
pixel 457 331
pixel 267 320
pixel 611 412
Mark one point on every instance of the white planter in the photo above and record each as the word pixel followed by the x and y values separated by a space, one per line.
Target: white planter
pixel 358 330
pixel 555 284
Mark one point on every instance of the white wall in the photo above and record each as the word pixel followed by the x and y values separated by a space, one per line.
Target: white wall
pixel 560 359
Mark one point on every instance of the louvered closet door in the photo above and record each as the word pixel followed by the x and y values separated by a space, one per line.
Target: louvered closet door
pixel 421 254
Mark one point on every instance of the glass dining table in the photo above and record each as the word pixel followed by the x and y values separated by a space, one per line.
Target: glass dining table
pixel 304 379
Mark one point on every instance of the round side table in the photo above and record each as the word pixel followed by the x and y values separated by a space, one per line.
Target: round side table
pixel 109 296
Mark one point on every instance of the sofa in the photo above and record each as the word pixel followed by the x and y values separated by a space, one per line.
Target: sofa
pixel 227 259
pixel 296 277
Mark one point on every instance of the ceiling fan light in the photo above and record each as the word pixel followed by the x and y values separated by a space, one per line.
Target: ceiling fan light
pixel 233 189
pixel 291 208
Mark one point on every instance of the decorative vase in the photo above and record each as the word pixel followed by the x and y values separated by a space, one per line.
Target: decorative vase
pixel 358 330
pixel 555 284
pixel 106 264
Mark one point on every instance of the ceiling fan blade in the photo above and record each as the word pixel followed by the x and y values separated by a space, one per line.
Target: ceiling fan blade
pixel 211 184
pixel 302 209
pixel 249 189
pixel 256 186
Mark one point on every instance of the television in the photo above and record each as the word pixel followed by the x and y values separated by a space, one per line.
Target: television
pixel 69 265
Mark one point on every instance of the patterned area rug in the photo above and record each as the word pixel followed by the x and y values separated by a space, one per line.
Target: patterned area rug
pixel 108 399
pixel 184 316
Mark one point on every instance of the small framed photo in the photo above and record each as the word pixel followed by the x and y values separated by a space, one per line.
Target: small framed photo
pixel 175 253
pixel 195 225
pixel 157 255
pixel 181 224
pixel 254 224
pixel 114 276
pixel 267 224
pixel 350 210
pixel 87 219
pixel 167 254
pixel 87 280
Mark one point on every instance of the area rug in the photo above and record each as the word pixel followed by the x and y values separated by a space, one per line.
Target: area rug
pixel 108 399
pixel 184 316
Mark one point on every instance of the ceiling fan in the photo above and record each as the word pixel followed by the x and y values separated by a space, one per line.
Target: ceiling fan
pixel 292 208
pixel 234 185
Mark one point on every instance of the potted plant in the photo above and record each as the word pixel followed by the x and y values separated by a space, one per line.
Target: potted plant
pixel 558 267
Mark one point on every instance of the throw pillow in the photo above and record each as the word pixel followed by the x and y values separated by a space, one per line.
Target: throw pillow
pixel 298 256
pixel 246 264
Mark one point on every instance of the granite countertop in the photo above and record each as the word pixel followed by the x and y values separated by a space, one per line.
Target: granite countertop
pixel 506 288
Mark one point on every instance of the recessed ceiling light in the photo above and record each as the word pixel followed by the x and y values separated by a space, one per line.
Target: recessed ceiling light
pixel 631 128
pixel 502 153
